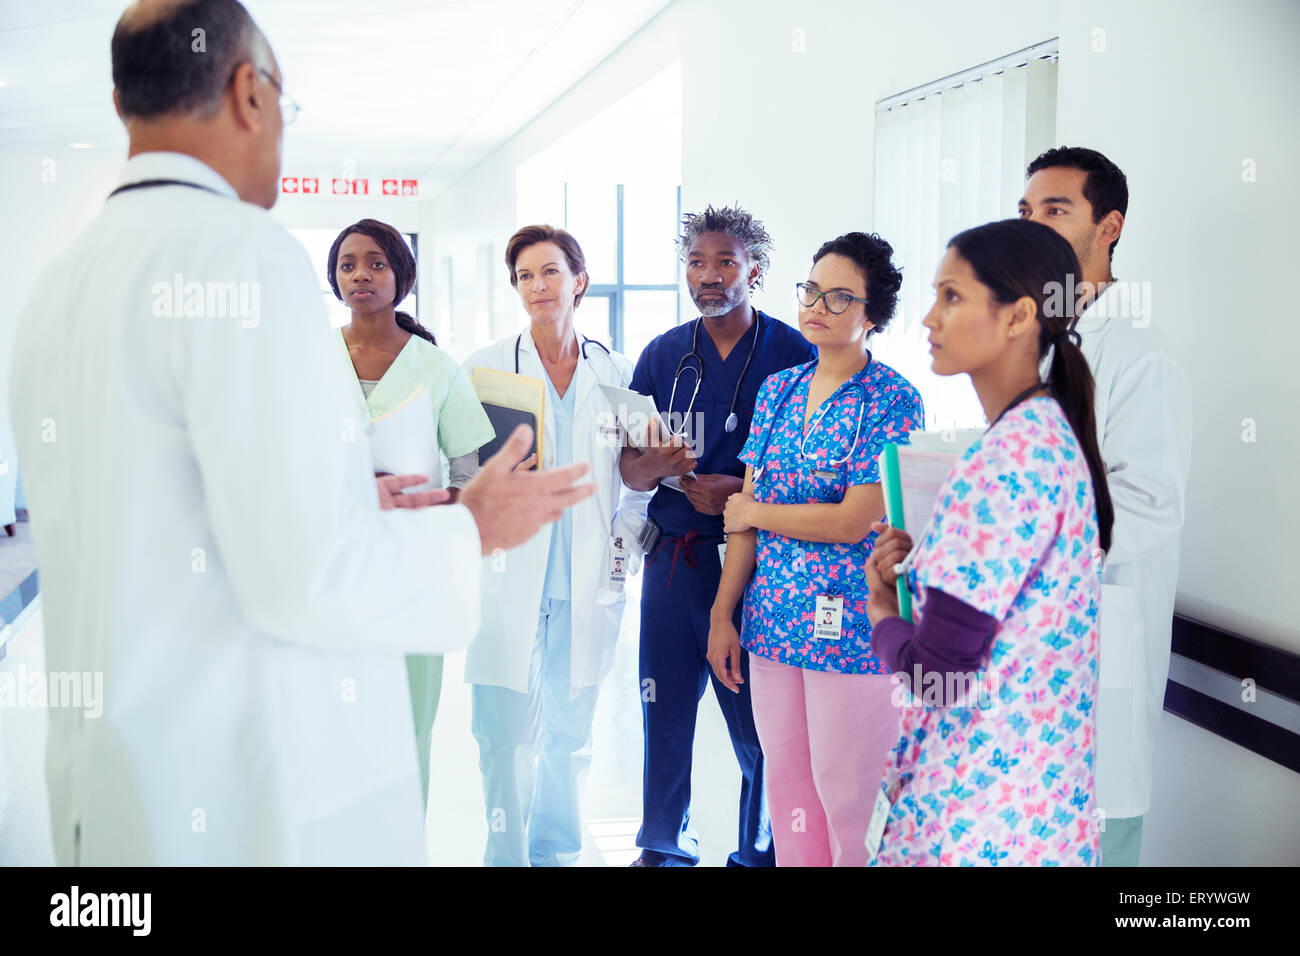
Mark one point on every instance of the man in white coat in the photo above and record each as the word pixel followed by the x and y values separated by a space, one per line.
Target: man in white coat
pixel 1144 426
pixel 209 530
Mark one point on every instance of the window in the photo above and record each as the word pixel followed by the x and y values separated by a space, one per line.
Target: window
pixel 951 155
pixel 613 182
pixel 632 262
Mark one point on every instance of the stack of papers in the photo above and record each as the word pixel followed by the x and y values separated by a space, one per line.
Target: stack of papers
pixel 911 477
pixel 403 441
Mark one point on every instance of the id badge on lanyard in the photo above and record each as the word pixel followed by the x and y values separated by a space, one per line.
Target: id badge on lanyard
pixel 613 577
pixel 616 565
pixel 879 819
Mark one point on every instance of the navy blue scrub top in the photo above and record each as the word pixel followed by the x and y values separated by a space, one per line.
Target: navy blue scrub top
pixel 779 347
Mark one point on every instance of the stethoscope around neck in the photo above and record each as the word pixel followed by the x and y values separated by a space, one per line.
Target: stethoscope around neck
pixel 585 342
pixel 732 421
pixel 834 464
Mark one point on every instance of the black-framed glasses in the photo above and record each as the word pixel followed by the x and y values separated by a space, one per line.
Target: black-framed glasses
pixel 837 300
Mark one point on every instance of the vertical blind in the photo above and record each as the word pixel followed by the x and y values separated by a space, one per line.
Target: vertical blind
pixel 949 156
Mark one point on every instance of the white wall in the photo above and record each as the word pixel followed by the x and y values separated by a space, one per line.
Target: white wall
pixel 1180 96
pixel 1217 804
pixel 329 212
pixel 1179 101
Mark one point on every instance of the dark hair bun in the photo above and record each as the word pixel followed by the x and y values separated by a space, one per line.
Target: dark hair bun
pixel 874 257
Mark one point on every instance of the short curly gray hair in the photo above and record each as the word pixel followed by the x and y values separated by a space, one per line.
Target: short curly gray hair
pixel 732 221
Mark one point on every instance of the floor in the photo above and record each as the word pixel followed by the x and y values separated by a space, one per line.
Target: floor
pixel 17 562
pixel 455 829
pixel 24 812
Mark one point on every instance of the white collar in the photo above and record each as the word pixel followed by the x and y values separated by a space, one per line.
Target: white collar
pixel 1091 319
pixel 527 344
pixel 168 165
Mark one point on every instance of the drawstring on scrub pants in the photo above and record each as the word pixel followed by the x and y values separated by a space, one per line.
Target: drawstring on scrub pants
pixel 683 547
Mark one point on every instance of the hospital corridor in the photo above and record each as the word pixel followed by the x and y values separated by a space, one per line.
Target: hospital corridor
pixel 484 435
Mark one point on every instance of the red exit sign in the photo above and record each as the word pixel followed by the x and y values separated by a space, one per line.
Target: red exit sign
pixel 300 185
pixel 345 186
pixel 350 187
pixel 401 187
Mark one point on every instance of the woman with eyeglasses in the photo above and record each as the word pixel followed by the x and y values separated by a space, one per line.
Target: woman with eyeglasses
pixel 799 536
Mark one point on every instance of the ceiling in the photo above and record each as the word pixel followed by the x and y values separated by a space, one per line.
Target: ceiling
pixel 418 88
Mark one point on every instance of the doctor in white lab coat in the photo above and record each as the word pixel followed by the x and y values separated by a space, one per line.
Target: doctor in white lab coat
pixel 552 609
pixel 1144 422
pixel 1144 427
pixel 209 530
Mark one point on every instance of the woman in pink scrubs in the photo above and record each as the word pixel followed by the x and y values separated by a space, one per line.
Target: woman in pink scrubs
pixel 799 536
pixel 1008 577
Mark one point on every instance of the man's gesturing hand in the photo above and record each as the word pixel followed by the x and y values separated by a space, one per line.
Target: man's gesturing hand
pixel 510 506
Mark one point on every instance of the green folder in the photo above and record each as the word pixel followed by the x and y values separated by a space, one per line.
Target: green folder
pixel 892 486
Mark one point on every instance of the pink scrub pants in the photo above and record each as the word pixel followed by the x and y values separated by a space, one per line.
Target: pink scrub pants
pixel 825 737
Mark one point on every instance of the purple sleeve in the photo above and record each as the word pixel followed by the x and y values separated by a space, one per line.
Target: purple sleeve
pixel 950 639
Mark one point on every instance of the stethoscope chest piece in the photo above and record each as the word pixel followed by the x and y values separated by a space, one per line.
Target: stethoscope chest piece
pixel 732 422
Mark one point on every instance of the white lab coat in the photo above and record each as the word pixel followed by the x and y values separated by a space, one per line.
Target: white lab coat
pixel 513 583
pixel 1143 407
pixel 209 538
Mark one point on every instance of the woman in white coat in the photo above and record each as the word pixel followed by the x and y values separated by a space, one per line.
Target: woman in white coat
pixel 552 609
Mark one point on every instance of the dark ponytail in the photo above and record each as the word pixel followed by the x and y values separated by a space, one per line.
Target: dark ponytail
pixel 411 324
pixel 399 257
pixel 1070 381
pixel 1016 258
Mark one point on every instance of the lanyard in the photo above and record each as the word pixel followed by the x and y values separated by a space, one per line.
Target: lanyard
pixel 152 183
pixel 1016 401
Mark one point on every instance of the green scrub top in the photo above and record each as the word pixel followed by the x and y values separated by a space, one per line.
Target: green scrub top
pixel 462 427
pixel 461 423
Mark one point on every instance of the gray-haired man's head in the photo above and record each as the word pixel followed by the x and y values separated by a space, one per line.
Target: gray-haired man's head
pixel 726 254
pixel 198 77
pixel 178 56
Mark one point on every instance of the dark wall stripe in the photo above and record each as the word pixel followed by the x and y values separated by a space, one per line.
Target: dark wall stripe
pixel 1269 667
pixel 1268 740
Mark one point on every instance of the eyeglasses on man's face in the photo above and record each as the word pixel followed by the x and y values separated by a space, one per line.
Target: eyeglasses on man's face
pixel 837 300
pixel 288 105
